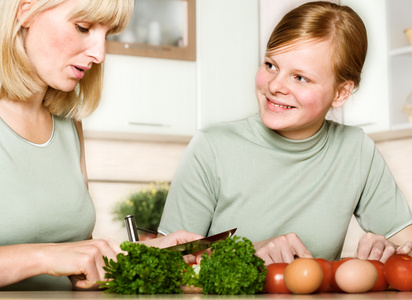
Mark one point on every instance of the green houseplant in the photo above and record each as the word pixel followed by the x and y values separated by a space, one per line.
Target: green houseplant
pixel 146 206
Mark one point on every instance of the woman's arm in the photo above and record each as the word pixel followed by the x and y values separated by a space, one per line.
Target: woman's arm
pixel 19 262
pixel 84 258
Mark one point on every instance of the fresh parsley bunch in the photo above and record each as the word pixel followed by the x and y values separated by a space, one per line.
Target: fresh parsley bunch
pixel 144 270
pixel 232 269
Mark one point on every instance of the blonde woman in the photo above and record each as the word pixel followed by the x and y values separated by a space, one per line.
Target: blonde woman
pixel 50 78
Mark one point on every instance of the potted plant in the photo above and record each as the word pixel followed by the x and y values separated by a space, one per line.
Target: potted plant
pixel 146 206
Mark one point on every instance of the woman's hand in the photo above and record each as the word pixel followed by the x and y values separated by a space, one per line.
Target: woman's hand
pixel 83 261
pixel 284 248
pixel 375 247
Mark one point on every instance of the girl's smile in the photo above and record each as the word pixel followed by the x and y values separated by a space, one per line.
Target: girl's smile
pixel 295 89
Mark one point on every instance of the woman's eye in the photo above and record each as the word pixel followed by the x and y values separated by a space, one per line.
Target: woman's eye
pixel 82 29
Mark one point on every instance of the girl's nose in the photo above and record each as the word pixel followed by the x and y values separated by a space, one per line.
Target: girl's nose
pixel 278 84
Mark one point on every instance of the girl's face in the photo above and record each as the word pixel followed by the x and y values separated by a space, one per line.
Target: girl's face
pixel 62 50
pixel 296 87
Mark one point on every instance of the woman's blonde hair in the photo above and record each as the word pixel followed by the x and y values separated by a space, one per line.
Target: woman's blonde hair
pixel 17 77
pixel 323 20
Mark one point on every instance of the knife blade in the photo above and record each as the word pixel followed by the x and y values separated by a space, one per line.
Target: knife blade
pixel 201 244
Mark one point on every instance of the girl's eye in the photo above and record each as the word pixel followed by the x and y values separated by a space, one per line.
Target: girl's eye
pixel 270 66
pixel 301 78
pixel 82 29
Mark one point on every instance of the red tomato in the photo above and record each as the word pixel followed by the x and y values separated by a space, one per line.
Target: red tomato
pixel 327 275
pixel 381 284
pixel 398 272
pixel 335 264
pixel 275 282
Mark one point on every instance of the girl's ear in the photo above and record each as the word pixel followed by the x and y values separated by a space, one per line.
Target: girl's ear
pixel 342 94
pixel 24 8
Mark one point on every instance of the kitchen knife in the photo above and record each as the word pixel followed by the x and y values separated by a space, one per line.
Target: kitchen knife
pixel 201 244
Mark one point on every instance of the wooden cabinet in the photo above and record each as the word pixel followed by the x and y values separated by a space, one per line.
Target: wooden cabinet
pixel 159 28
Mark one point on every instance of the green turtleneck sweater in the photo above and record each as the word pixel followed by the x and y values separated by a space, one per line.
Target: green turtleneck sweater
pixel 245 175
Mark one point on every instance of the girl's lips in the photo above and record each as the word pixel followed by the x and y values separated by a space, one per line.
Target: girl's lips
pixel 278 106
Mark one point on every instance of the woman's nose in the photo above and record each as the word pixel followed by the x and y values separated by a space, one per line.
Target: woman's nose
pixel 97 49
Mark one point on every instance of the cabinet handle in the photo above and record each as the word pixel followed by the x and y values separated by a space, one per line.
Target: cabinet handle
pixel 146 47
pixel 148 124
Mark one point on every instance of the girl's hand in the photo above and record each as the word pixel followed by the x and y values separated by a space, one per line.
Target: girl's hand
pixel 176 238
pixel 375 247
pixel 406 248
pixel 284 248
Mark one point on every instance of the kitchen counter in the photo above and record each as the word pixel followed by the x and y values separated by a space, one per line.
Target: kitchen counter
pixel 100 295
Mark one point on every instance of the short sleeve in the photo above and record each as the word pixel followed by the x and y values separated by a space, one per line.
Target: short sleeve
pixel 382 208
pixel 192 196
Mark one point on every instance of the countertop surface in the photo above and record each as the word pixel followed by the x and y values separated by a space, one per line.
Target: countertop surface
pixel 101 295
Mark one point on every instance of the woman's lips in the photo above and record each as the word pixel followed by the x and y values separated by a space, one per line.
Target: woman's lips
pixel 78 72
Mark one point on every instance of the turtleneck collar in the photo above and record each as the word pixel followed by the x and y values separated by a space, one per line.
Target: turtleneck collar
pixel 271 138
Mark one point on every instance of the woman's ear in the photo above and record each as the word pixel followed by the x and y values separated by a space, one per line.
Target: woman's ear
pixel 342 94
pixel 24 8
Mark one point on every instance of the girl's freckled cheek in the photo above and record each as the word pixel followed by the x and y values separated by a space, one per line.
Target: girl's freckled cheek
pixel 260 79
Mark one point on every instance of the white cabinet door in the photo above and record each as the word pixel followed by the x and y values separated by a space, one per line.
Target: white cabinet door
pixel 146 95
pixel 369 106
pixel 399 14
pixel 227 59
pixel 386 80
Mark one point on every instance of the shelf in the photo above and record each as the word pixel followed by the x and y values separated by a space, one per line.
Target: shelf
pixel 159 29
pixel 401 51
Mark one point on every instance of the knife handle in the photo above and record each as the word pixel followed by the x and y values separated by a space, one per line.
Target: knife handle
pixel 130 224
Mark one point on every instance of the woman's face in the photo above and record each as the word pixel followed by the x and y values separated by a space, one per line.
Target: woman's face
pixel 295 89
pixel 62 50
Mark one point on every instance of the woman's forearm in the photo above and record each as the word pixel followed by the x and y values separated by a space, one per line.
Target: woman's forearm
pixel 19 262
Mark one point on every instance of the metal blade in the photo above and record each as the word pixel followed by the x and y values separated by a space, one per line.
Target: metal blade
pixel 202 244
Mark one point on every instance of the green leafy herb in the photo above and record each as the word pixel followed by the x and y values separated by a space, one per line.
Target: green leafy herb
pixel 232 269
pixel 145 270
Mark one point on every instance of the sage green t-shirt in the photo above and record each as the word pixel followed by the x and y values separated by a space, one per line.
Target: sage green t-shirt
pixel 43 195
pixel 244 175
